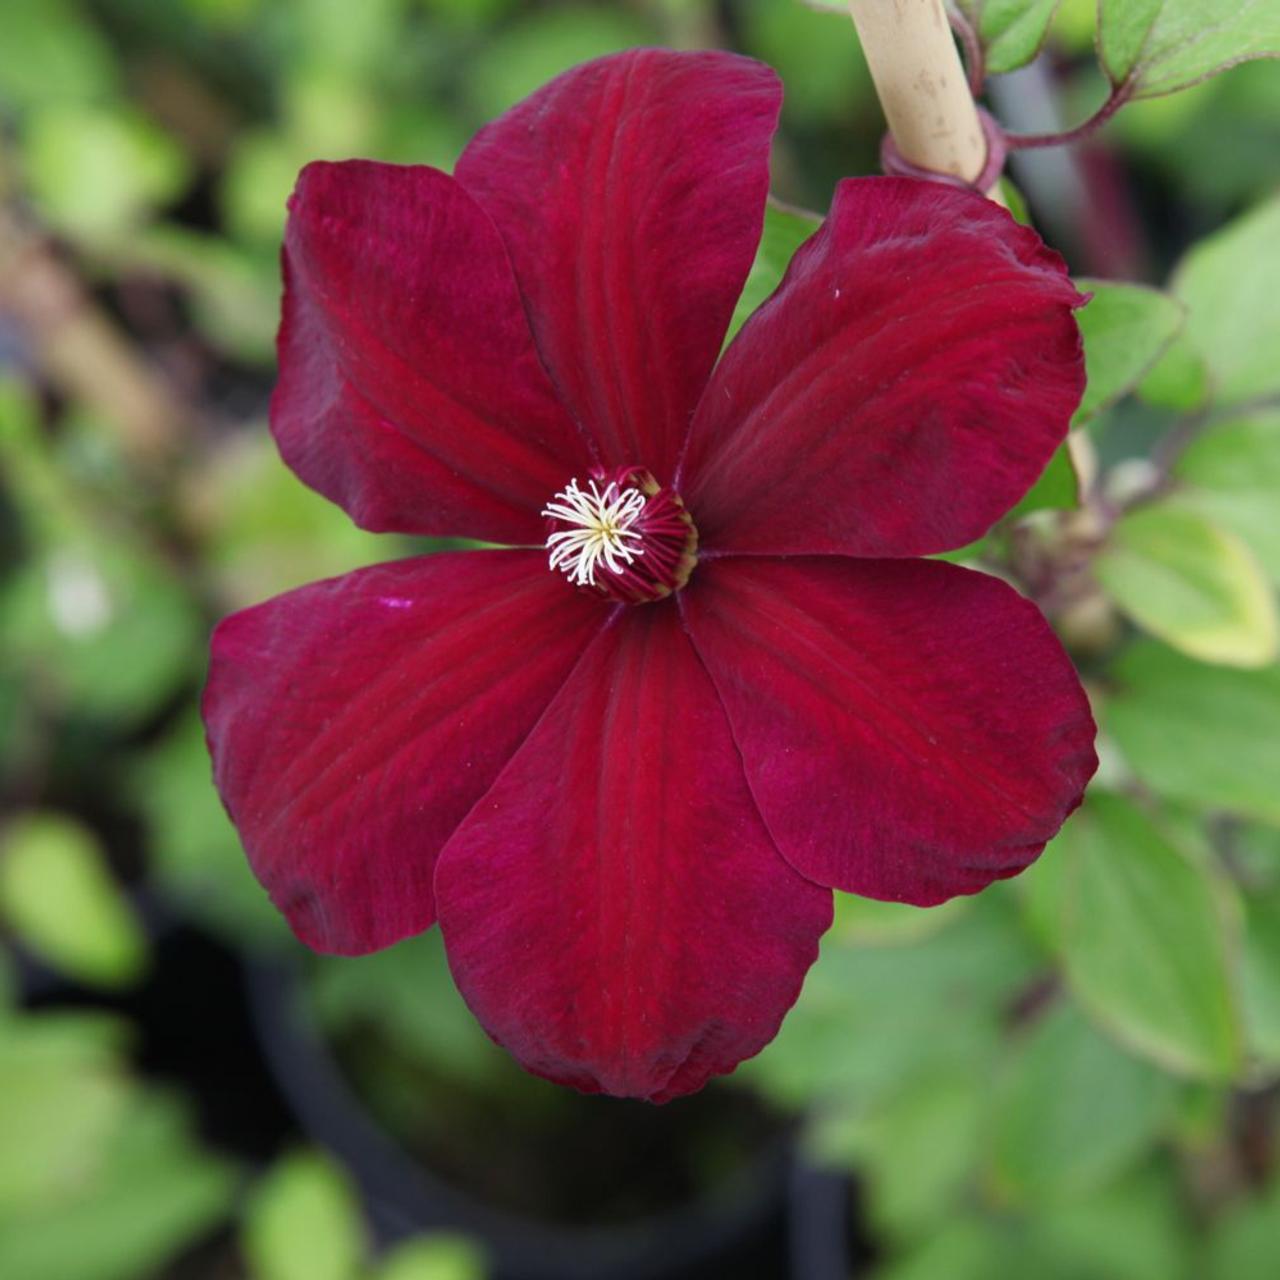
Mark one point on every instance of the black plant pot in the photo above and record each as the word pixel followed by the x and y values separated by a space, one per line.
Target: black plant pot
pixel 771 1218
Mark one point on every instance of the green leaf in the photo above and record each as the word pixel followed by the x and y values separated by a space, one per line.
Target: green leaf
pixel 1074 25
pixel 1196 586
pixel 1133 1230
pixel 327 112
pixel 155 1192
pixel 824 71
pixel 98 172
pixel 259 175
pixel 1150 934
pixel 1200 1113
pixel 522 57
pixel 435 1257
pixel 1242 1242
pixel 785 230
pixel 1072 1110
pixel 63 1093
pixel 1231 474
pixel 941 999
pixel 1011 31
pixel 225 15
pixel 52 54
pixel 1261 976
pixel 353 40
pixel 1199 734
pixel 1039 890
pixel 1160 46
pixel 964 1249
pixel 61 901
pixel 420 132
pixel 303 1222
pixel 1057 489
pixel 470 13
pixel 92 616
pixel 267 532
pixel 107 626
pixel 1126 328
pixel 1255 855
pixel 1178 380
pixel 1014 200
pixel 916 1146
pixel 1230 283
pixel 868 922
pixel 195 854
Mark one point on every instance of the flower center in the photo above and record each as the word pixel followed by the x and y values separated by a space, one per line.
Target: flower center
pixel 622 535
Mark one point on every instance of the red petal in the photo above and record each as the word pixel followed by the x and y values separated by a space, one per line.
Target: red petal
pixel 410 391
pixel 614 910
pixel 905 385
pixel 911 730
pixel 354 722
pixel 630 192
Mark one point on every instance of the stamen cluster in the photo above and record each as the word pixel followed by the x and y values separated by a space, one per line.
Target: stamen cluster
pixel 623 535
pixel 601 530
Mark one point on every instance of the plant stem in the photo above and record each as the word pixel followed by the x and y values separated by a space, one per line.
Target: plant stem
pixel 1115 100
pixel 975 62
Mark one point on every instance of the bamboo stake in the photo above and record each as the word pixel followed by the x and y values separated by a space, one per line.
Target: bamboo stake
pixel 921 84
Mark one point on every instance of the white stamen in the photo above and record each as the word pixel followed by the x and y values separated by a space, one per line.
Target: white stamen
pixel 602 530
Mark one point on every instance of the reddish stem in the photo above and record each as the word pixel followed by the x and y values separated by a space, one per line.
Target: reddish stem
pixel 974 59
pixel 1117 98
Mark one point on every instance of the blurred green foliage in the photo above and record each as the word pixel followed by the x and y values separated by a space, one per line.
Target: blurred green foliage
pixel 1074 1075
pixel 100 1177
pixel 303 1222
pixel 1126 329
pixel 58 896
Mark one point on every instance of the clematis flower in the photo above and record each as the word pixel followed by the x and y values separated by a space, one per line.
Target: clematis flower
pixel 624 758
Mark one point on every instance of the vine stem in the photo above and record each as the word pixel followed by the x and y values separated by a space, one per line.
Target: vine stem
pixel 923 90
pixel 1119 95
pixel 975 61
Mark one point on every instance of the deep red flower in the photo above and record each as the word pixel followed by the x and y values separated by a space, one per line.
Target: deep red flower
pixel 626 784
